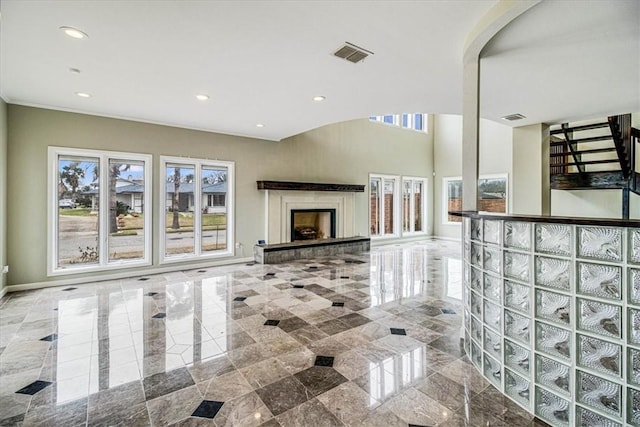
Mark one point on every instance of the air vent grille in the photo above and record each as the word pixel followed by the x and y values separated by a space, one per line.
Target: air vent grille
pixel 352 53
pixel 513 117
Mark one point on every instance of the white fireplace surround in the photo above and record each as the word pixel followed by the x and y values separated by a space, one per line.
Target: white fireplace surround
pixel 278 206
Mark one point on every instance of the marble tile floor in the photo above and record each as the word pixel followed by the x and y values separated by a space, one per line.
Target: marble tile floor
pixel 356 340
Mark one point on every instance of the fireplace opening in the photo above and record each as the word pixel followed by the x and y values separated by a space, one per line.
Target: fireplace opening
pixel 313 224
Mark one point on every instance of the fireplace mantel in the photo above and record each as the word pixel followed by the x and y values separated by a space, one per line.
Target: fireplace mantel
pixel 308 186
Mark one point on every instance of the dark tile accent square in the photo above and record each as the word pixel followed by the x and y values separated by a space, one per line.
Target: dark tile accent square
pixel 240 298
pixel 166 382
pixel 344 277
pixel 150 294
pixel 448 311
pixel 251 264
pixel 283 395
pixel 51 337
pixel 313 267
pixel 337 304
pixel 55 309
pixel 203 271
pixel 271 322
pixel 291 324
pixel 142 279
pixel 298 286
pixel 34 387
pixel 417 425
pixel 324 361
pixel 160 316
pixel 319 379
pixel 398 331
pixel 353 261
pixel 207 409
pixel 69 289
pixel 270 274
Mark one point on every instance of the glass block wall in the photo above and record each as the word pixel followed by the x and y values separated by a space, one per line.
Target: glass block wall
pixel 552 317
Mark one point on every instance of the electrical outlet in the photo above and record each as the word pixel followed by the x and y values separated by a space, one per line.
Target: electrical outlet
pixel 238 245
pixel 5 269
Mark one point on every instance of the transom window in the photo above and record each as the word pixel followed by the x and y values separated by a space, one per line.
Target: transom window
pixel 414 121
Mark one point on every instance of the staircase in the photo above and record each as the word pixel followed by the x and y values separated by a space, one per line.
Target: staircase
pixel 595 155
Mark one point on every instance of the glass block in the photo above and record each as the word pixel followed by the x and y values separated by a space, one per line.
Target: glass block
pixel 492 231
pixel 517 326
pixel 476 279
pixel 599 393
pixel 553 273
pixel 492 343
pixel 517 266
pixel 492 259
pixel 599 318
pixel 633 407
pixel 476 254
pixel 493 370
pixel 476 305
pixel 633 366
pixel 516 357
pixel 476 329
pixel 552 408
pixel 466 223
pixel 599 355
pixel 634 326
pixel 517 235
pixel 634 286
pixel 467 250
pixel 467 343
pixel 553 341
pixel 553 306
pixel 604 281
pixel 492 315
pixel 492 287
pixel 553 239
pixel 517 387
pixel 516 296
pixel 467 320
pixel 476 355
pixel 586 418
pixel 476 229
pixel 466 297
pixel 600 243
pixel 553 375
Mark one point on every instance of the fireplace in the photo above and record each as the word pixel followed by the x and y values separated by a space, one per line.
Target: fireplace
pixel 313 224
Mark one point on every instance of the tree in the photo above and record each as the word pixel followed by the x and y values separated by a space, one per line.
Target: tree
pixel 115 169
pixel 70 177
pixel 175 198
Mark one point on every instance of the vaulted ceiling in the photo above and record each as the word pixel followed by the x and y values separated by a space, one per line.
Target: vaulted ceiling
pixel 262 62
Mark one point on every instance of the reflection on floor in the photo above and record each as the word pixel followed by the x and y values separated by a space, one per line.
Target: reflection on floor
pixel 370 340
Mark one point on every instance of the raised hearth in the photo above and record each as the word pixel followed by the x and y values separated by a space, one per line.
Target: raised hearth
pixel 282 252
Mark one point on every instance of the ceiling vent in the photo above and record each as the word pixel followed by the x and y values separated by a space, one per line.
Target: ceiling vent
pixel 513 117
pixel 352 53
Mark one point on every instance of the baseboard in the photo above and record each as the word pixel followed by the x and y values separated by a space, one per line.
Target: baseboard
pixel 450 239
pixel 3 291
pixel 121 275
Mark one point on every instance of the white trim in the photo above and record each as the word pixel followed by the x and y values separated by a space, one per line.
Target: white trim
pixel 423 208
pixel 122 275
pixel 397 218
pixel 445 199
pixel 197 165
pixel 103 157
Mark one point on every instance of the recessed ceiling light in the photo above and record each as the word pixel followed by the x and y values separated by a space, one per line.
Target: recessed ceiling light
pixel 83 94
pixel 74 71
pixel 319 98
pixel 74 32
pixel 260 125
pixel 202 97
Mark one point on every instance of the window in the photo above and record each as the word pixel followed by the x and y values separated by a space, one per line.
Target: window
pixel 413 205
pixel 384 202
pixel 414 121
pixel 97 210
pixel 198 208
pixel 492 195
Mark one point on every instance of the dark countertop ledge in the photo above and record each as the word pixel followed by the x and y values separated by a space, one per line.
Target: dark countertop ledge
pixel 602 222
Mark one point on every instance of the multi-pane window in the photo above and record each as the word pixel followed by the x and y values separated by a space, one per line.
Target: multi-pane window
pixel 492 196
pixel 415 121
pixel 198 202
pixel 97 210
pixel 384 202
pixel 413 205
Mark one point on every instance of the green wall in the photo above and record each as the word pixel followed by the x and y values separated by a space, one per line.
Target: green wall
pixel 340 153
pixel 3 191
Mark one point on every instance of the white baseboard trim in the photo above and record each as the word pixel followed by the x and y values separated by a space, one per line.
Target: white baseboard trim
pixel 3 291
pixel 121 275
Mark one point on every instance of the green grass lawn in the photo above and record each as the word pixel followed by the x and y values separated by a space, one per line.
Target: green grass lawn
pixel 213 221
pixel 76 212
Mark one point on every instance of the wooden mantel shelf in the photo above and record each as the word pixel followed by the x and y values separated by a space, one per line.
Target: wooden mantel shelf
pixel 308 186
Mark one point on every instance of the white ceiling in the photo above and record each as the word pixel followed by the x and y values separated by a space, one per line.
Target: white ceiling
pixel 263 61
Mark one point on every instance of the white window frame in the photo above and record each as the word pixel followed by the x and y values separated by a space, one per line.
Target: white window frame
pixel 397 121
pixel 397 218
pixel 103 213
pixel 197 209
pixel 423 207
pixel 445 193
